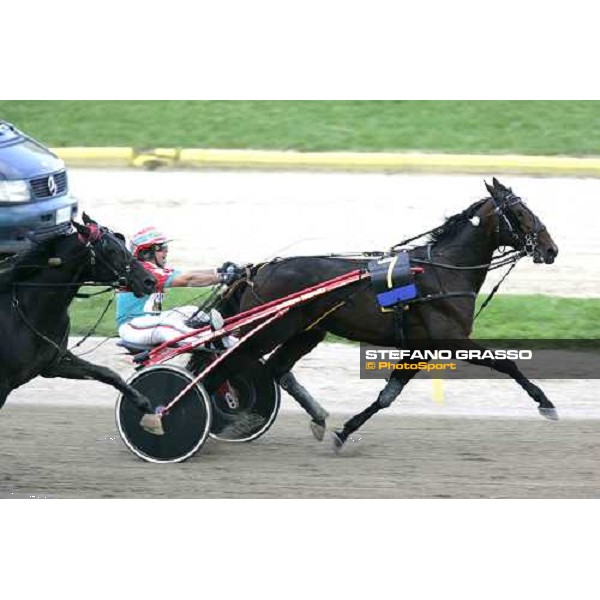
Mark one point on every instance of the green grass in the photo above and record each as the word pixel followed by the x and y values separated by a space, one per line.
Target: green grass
pixel 524 127
pixel 506 317
pixel 532 317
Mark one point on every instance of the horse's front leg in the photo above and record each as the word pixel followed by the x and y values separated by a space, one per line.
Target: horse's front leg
pixel 508 367
pixel 73 367
pixel 390 392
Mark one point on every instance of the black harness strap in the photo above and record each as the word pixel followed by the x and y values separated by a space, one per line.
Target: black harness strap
pixel 399 333
pixel 437 275
pixel 17 306
pixel 443 296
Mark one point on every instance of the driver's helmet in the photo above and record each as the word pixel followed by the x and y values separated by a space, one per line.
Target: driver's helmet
pixel 145 239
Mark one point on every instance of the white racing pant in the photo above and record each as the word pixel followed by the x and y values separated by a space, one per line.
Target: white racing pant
pixel 152 330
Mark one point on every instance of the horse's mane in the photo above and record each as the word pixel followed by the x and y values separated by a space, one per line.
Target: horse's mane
pixel 25 265
pixel 454 224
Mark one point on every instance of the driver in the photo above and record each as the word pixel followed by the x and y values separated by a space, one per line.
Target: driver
pixel 142 321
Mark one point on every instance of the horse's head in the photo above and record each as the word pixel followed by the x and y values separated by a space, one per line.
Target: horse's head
pixel 109 260
pixel 518 226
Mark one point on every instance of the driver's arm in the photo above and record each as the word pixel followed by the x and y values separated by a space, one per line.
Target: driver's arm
pixel 195 278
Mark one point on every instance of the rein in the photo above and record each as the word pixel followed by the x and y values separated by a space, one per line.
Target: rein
pixel 211 301
pixel 511 257
pixel 494 290
pixel 412 239
pixel 93 329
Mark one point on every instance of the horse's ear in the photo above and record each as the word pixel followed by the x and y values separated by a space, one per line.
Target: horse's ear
pixel 498 185
pixel 490 189
pixel 120 236
pixel 81 229
pixel 87 220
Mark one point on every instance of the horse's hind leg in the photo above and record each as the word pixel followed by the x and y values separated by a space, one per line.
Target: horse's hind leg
pixel 318 414
pixel 280 364
pixel 390 392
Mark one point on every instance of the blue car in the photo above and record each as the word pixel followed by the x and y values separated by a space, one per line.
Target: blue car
pixel 34 191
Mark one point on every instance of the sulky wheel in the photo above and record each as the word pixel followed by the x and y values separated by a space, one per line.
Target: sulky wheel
pixel 186 424
pixel 245 405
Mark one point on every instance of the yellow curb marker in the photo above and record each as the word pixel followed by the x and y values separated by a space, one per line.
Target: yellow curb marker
pixel 151 158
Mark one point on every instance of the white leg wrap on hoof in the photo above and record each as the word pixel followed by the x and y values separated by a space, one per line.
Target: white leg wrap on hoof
pixel 152 424
pixel 549 413
pixel 318 430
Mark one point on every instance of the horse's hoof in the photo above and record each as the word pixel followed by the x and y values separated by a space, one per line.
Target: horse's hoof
pixel 152 424
pixel 349 446
pixel 336 442
pixel 318 430
pixel 549 413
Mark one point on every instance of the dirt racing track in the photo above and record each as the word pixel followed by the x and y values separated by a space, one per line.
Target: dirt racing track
pixel 59 440
pixel 58 452
pixel 478 439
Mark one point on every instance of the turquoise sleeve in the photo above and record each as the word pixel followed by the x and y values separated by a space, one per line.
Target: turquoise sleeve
pixel 172 276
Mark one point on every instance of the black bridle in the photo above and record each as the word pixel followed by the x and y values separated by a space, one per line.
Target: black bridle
pixel 120 280
pixel 525 242
pixel 94 255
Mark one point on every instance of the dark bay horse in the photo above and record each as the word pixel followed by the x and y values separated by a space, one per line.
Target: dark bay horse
pixel 455 259
pixel 35 293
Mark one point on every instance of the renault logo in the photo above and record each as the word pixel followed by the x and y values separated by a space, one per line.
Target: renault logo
pixel 52 187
